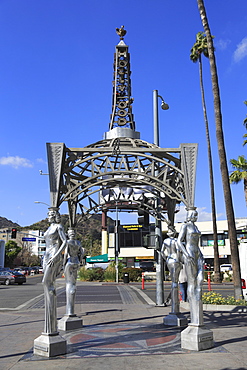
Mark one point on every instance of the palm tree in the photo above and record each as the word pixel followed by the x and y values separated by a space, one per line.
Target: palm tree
pixel 222 155
pixel 240 173
pixel 245 120
pixel 201 47
pixel 245 124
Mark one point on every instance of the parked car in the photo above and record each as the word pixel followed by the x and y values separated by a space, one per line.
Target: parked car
pixel 41 270
pixel 19 277
pixel 34 270
pixel 21 270
pixel 6 278
pixel 147 266
pixel 226 267
pixel 27 270
pixel 5 269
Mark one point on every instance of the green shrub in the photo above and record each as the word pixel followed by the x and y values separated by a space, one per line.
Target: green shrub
pixel 95 274
pixel 110 272
pixel 82 274
pixel 134 273
pixel 91 274
pixel 227 276
pixel 216 298
pixel 212 276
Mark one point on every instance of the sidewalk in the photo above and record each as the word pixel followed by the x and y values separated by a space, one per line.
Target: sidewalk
pixel 125 336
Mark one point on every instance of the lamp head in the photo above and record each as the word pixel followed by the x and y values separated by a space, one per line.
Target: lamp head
pixel 164 105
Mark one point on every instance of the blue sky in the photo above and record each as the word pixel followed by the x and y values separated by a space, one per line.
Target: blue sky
pixel 56 84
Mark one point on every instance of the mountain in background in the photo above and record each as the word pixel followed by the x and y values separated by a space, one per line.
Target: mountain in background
pixel 90 227
pixel 4 222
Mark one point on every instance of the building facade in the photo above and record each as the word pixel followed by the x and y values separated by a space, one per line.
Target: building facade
pixel 134 247
pixel 31 239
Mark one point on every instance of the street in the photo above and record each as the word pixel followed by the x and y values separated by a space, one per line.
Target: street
pixel 225 289
pixel 30 294
pixel 13 296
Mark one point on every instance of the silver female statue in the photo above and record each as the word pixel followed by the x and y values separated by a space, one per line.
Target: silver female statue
pixel 72 257
pixel 188 242
pixel 172 255
pixel 55 244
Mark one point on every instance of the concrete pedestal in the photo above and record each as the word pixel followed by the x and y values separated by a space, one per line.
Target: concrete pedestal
pixel 196 338
pixel 69 322
pixel 48 345
pixel 175 319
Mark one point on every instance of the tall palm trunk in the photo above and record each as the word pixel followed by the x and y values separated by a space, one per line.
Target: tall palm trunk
pixel 245 190
pixel 222 156
pixel 217 277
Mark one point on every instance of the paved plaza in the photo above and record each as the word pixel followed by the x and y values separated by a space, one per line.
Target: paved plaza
pixel 127 334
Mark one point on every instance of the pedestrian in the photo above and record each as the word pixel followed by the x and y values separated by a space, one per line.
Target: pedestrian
pixel 183 284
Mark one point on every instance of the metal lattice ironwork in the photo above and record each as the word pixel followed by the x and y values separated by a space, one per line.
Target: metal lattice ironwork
pixel 122 115
pixel 122 169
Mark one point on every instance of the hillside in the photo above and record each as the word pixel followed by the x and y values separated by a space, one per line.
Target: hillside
pixel 91 227
pixel 4 222
pixel 89 231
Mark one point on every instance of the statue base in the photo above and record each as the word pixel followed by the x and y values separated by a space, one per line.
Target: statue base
pixel 196 338
pixel 69 322
pixel 175 319
pixel 49 345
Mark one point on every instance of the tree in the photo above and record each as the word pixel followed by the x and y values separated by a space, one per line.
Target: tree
pixel 222 155
pixel 240 165
pixel 201 47
pixel 240 173
pixel 92 246
pixel 11 252
pixel 26 257
pixel 245 124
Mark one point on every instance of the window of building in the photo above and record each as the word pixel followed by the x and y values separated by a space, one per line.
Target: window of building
pixel 241 234
pixel 208 240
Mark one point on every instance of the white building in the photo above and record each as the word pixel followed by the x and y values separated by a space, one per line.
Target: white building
pixel 38 245
pixel 32 239
pixel 206 240
pixel 132 249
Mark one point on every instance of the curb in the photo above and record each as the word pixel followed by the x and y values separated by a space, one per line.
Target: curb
pixel 217 307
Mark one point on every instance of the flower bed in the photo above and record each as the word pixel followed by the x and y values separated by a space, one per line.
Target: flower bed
pixel 217 299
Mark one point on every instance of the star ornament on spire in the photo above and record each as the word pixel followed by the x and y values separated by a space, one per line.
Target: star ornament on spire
pixel 121 32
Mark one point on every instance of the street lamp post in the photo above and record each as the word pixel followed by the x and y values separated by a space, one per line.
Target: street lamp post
pixel 116 243
pixel 36 201
pixel 158 227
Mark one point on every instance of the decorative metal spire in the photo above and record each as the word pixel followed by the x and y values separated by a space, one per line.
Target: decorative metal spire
pixel 121 100
pixel 121 32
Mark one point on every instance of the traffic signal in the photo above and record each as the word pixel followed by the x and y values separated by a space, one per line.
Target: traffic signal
pixel 13 233
pixel 143 218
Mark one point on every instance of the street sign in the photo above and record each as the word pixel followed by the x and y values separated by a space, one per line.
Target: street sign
pixel 101 258
pixel 132 227
pixel 28 239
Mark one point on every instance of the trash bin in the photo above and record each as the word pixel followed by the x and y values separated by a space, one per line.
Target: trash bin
pixel 126 278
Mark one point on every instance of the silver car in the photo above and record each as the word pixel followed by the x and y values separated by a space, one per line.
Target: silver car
pixel 6 278
pixel 226 267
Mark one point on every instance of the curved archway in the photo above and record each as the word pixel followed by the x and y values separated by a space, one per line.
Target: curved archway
pixel 140 172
